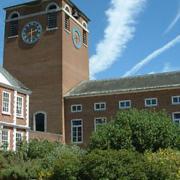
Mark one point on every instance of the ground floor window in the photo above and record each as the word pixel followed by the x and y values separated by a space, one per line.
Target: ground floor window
pixel 40 121
pixel 5 139
pixel 176 117
pixel 98 122
pixel 19 138
pixel 76 131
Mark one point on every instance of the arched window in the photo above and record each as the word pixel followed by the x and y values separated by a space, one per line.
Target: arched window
pixel 52 15
pixel 13 24
pixel 67 18
pixel 67 8
pixel 40 121
pixel 85 38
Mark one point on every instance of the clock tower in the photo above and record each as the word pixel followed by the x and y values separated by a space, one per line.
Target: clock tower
pixel 46 48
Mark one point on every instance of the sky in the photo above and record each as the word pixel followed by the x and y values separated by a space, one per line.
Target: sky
pixel 127 37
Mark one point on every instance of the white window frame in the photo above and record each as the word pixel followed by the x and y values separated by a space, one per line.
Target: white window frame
pixel 95 124
pixel 101 109
pixel 9 103
pixel 124 101
pixel 151 105
pixel 78 142
pixel 76 105
pixel 20 133
pixel 174 118
pixel 175 103
pixel 22 108
pixel 8 140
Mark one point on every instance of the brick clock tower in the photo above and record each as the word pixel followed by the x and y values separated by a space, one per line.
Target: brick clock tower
pixel 46 48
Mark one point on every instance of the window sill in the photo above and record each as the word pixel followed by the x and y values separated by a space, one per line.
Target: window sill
pixel 6 113
pixel 20 117
pixel 51 29
pixel 69 32
pixel 11 37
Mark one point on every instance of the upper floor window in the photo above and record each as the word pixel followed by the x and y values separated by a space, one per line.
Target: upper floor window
pixel 176 100
pixel 76 108
pixel 176 117
pixel 67 22
pixel 98 122
pixel 85 41
pixel 19 107
pixel 5 139
pixel 52 16
pixel 76 131
pixel 100 106
pixel 6 98
pixel 13 24
pixel 40 121
pixel 151 102
pixel 125 104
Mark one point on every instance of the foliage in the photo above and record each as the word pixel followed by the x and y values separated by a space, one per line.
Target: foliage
pixel 165 164
pixel 112 165
pixel 139 130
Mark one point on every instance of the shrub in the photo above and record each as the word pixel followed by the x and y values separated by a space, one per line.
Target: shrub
pixel 112 165
pixel 63 163
pixel 140 130
pixel 165 164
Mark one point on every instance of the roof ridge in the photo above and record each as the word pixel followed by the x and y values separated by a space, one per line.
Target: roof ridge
pixel 136 76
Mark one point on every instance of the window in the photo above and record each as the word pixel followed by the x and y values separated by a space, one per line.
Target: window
pixel 125 104
pixel 175 100
pixel 76 108
pixel 98 122
pixel 67 22
pixel 150 102
pixel 19 139
pixel 19 108
pixel 13 25
pixel 176 117
pixel 100 106
pixel 84 37
pixel 52 16
pixel 76 131
pixel 40 120
pixel 5 139
pixel 6 102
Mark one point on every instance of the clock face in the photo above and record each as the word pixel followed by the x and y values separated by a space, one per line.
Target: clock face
pixel 77 37
pixel 31 32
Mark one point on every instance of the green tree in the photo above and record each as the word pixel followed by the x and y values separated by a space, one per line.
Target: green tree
pixel 113 165
pixel 139 130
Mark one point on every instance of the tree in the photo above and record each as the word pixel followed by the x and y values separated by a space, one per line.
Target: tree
pixel 139 130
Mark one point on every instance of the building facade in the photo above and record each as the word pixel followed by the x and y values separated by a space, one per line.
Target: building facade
pixel 46 48
pixel 93 103
pixel 14 111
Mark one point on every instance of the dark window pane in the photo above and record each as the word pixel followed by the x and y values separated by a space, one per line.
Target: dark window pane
pixel 52 20
pixel 40 122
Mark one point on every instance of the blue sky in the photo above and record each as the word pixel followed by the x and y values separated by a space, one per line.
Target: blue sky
pixel 129 37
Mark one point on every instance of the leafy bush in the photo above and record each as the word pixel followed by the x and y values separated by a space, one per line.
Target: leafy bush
pixel 112 165
pixel 64 163
pixel 140 130
pixel 165 164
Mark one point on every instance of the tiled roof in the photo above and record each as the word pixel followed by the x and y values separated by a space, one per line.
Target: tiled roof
pixel 127 84
pixel 14 82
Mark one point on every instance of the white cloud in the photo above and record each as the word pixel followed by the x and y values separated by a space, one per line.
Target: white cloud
pixel 152 56
pixel 173 23
pixel 121 17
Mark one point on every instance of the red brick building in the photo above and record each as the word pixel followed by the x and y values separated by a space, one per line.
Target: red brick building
pixel 46 48
pixel 14 111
